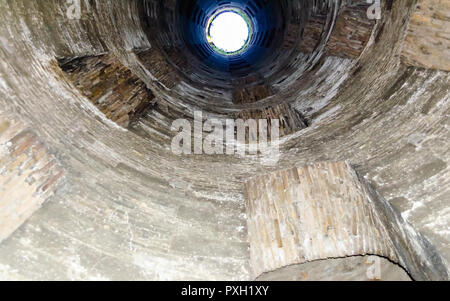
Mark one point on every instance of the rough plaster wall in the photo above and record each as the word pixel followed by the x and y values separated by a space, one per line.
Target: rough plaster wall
pixel 130 209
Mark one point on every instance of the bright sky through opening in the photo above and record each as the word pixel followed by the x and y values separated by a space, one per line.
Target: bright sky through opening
pixel 229 31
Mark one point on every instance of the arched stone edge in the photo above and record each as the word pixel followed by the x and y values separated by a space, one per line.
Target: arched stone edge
pixel 286 222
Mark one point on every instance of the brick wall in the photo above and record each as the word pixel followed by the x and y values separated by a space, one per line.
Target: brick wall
pixel 110 86
pixel 29 174
pixel 427 43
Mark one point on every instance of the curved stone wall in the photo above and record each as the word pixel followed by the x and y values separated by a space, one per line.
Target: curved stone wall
pixel 126 207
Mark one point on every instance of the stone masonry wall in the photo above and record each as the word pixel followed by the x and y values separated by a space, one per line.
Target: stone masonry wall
pixel 427 43
pixel 29 174
pixel 110 86
pixel 305 214
pixel 160 68
pixel 351 33
pixel 251 94
pixel 290 121
pixel 327 211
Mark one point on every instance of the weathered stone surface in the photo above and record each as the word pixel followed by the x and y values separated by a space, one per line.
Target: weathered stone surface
pixel 177 58
pixel 326 211
pixel 129 207
pixel 160 68
pixel 29 174
pixel 427 42
pixel 290 121
pixel 312 34
pixel 251 94
pixel 110 86
pixel 305 214
pixel 292 35
pixel 246 80
pixel 351 33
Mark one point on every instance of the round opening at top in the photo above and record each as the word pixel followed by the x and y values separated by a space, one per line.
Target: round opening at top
pixel 229 31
